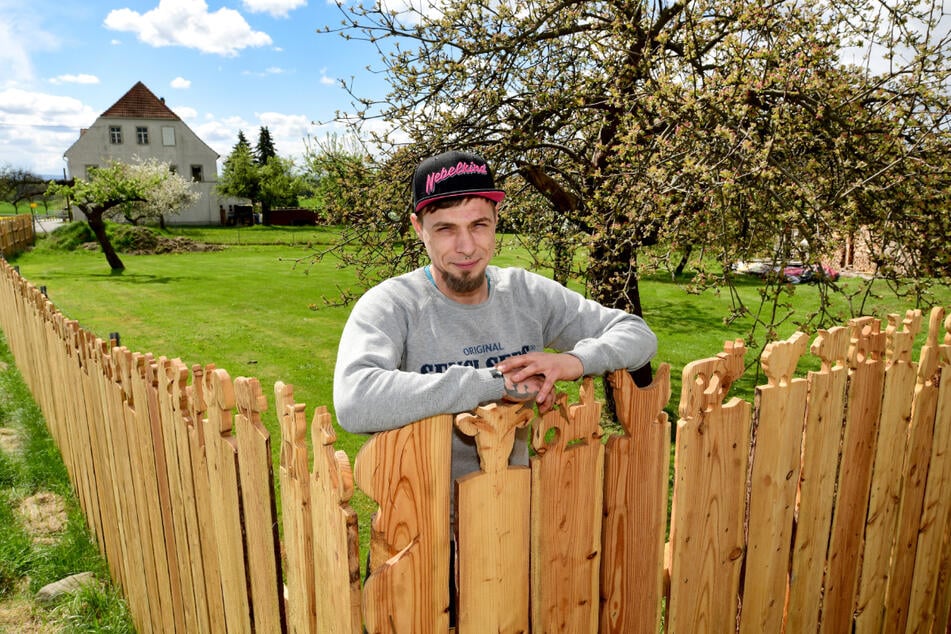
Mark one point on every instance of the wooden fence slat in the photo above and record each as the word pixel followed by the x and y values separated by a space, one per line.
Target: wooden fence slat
pixel 493 529
pixel 176 526
pixel 296 510
pixel 95 417
pixel 706 534
pixel 914 478
pixel 900 379
pixel 224 487
pixel 567 509
pixel 928 604
pixel 406 471
pixel 820 453
pixel 858 451
pixel 636 468
pixel 124 438
pixel 336 553
pixel 259 507
pixel 157 556
pixel 172 376
pixel 84 431
pixel 774 477
pixel 207 535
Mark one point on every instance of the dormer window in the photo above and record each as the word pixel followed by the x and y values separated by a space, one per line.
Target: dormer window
pixel 115 134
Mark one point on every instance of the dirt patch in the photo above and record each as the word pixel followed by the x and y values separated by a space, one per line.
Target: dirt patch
pixel 10 442
pixel 20 615
pixel 43 515
pixel 143 241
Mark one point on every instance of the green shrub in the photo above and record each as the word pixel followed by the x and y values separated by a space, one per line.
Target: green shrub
pixel 68 237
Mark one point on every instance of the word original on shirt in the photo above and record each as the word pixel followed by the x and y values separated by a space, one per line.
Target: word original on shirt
pixel 482 362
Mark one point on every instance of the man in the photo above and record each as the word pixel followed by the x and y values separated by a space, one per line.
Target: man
pixel 460 332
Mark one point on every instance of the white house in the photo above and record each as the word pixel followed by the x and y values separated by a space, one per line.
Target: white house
pixel 140 125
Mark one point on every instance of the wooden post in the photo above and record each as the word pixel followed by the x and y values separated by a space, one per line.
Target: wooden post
pixel 914 477
pixel 224 488
pixel 930 600
pixel 866 378
pixel 336 553
pixel 258 507
pixel 900 378
pixel 296 512
pixel 820 461
pixel 774 478
pixel 406 471
pixel 706 534
pixel 493 531
pixel 567 509
pixel 636 468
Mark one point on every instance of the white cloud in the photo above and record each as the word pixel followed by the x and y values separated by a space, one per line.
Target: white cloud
pixel 74 79
pixel 21 33
pixel 25 108
pixel 188 23
pixel 221 134
pixel 185 112
pixel 411 12
pixel 180 83
pixel 276 8
pixel 36 128
pixel 271 70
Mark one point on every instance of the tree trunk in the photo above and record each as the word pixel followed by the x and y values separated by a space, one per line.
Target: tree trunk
pixel 683 261
pixel 612 276
pixel 98 226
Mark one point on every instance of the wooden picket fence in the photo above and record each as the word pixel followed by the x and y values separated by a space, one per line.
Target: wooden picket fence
pixel 16 233
pixel 822 506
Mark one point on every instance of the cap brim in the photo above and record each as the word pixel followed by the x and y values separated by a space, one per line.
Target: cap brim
pixel 495 195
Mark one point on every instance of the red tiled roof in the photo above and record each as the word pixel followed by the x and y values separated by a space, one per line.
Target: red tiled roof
pixel 140 103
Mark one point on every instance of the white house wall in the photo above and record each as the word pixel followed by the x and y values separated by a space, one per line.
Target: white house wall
pixel 94 149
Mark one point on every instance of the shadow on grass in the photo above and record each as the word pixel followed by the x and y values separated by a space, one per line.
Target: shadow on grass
pixel 123 277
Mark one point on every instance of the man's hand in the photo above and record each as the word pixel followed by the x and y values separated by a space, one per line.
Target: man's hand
pixel 535 374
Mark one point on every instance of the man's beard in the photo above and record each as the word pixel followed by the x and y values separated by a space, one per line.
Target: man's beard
pixel 462 284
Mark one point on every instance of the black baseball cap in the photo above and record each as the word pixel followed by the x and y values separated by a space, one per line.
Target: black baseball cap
pixel 453 174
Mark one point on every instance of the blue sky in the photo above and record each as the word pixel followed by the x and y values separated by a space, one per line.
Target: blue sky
pixel 220 65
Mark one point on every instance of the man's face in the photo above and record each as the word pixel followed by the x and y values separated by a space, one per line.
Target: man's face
pixel 460 241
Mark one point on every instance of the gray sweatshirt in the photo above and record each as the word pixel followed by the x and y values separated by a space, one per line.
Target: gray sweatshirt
pixel 408 352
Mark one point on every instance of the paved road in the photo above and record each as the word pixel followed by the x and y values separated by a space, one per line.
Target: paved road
pixel 42 224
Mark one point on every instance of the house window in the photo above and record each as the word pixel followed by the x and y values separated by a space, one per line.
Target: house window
pixel 142 135
pixel 168 135
pixel 115 134
pixel 196 173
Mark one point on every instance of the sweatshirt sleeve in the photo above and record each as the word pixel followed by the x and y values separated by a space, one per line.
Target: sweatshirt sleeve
pixel 604 339
pixel 371 392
